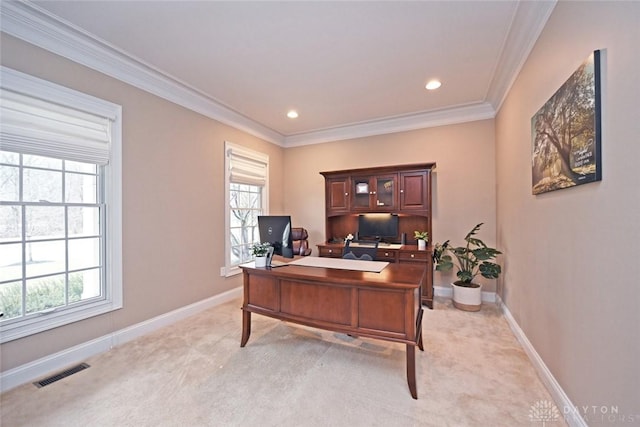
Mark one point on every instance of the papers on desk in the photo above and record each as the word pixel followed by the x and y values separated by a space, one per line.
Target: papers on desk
pixel 341 264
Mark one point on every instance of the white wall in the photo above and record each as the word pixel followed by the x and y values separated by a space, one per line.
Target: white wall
pixel 572 268
pixel 463 181
pixel 173 203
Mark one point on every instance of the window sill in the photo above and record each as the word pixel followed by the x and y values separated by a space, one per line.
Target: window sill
pixel 45 321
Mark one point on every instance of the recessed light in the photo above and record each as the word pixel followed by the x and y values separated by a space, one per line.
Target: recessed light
pixel 293 114
pixel 433 84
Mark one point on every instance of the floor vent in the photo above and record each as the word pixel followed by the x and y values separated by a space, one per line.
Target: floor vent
pixel 61 375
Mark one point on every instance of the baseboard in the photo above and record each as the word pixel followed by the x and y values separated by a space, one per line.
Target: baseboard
pixel 562 401
pixel 442 291
pixel 79 353
pixel 447 292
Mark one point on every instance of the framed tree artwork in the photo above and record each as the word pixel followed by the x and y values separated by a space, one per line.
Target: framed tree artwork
pixel 566 134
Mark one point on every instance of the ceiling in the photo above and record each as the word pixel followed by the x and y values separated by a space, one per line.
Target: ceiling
pixel 348 68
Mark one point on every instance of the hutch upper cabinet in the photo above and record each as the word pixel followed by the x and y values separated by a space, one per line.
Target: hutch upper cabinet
pixel 415 191
pixel 375 193
pixel 337 195
pixel 404 190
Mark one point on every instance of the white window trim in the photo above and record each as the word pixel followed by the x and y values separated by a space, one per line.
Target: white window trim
pixel 228 270
pixel 29 85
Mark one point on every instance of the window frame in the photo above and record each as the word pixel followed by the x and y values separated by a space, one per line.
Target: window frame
pixel 250 155
pixel 12 329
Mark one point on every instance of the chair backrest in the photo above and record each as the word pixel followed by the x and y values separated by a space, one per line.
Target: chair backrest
pixel 299 236
pixel 365 251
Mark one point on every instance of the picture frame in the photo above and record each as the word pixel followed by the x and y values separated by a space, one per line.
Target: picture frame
pixel 566 132
pixel 362 188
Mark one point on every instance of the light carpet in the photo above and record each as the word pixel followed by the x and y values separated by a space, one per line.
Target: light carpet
pixel 473 372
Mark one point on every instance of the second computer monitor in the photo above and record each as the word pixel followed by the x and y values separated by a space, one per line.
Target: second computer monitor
pixel 377 226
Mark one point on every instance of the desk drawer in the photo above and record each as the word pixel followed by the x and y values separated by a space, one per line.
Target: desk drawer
pixel 414 256
pixel 386 255
pixel 330 252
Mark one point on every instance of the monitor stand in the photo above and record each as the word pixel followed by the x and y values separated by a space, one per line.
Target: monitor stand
pixel 287 252
pixel 269 256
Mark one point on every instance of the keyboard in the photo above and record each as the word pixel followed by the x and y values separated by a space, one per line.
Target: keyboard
pixel 362 244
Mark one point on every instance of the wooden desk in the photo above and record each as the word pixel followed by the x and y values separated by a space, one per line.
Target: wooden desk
pixel 384 305
pixel 406 254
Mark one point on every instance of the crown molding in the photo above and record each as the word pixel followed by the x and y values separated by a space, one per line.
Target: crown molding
pixel 527 24
pixel 37 26
pixel 459 114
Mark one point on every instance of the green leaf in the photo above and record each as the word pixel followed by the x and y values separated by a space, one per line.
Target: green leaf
pixel 444 264
pixel 465 276
pixel 459 251
pixel 483 254
pixel 473 231
pixel 476 242
pixel 490 270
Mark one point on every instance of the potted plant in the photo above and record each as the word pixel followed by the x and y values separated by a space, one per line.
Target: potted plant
pixel 260 251
pixel 470 260
pixel 422 237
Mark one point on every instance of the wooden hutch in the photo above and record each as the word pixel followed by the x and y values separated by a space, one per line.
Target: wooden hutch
pixel 404 190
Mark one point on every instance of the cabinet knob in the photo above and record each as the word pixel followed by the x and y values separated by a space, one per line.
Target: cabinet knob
pixel 402 191
pixel 386 254
pixel 373 192
pixel 413 256
pixel 330 251
pixel 346 194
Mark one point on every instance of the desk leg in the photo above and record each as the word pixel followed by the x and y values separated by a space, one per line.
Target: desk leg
pixel 420 345
pixel 246 327
pixel 411 370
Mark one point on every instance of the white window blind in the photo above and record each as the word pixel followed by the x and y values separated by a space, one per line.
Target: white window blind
pixel 54 184
pixel 247 196
pixel 33 125
pixel 246 167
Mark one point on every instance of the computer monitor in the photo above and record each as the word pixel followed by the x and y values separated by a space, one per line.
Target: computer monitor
pixel 276 229
pixel 377 226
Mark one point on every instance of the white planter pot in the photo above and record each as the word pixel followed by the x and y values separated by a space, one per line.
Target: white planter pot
pixel 467 299
pixel 261 261
pixel 422 244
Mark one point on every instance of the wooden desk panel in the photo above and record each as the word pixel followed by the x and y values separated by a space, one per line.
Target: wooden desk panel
pixel 263 292
pixel 311 301
pixel 373 313
pixel 382 305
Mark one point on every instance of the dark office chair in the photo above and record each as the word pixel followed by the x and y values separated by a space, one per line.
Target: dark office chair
pixel 299 236
pixel 365 251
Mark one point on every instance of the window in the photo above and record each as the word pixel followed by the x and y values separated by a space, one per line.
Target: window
pixel 60 206
pixel 246 184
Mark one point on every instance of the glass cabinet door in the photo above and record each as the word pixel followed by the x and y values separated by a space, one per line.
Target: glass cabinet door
pixel 362 192
pixel 385 192
pixel 374 193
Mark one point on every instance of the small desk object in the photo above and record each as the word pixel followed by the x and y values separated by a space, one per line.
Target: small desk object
pixel 384 305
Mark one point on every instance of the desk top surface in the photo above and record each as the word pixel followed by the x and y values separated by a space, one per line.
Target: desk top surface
pixel 341 264
pixel 393 275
